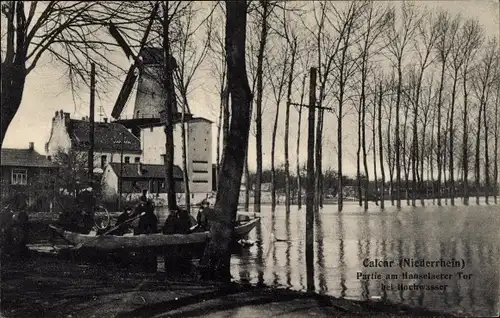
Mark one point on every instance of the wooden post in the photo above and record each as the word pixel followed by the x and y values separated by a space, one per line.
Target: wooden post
pixel 310 183
pixel 91 125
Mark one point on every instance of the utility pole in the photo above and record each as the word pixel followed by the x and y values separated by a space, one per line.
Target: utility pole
pixel 310 183
pixel 310 177
pixel 90 160
pixel 168 86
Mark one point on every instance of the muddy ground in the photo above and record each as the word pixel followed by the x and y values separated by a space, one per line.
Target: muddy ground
pixel 40 285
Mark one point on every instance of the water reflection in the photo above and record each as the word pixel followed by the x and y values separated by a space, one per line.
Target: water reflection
pixel 343 241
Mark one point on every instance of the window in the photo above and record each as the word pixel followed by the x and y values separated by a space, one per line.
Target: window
pixel 127 159
pixel 200 171
pixel 103 161
pixel 20 176
pixel 137 159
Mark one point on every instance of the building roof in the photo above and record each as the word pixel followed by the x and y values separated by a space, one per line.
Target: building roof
pixel 131 170
pixel 24 158
pixel 107 137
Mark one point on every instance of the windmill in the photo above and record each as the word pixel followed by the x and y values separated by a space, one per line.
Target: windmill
pixel 147 72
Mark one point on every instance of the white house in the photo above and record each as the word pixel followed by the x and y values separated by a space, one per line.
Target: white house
pixel 198 154
pixel 110 140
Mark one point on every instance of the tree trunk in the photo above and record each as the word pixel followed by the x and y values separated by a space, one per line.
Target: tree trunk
pixel 13 67
pixel 247 184
pixel 486 157
pixel 452 139
pixel 184 158
pixel 495 161
pixel 317 177
pixel 398 138
pixel 258 104
pixel 310 184
pixel 423 188
pixel 273 151
pixel 477 161
pixel 389 158
pixel 299 178
pixel 217 256
pixel 439 105
pixel 287 129
pixel 445 157
pixel 219 131
pixel 404 151
pixel 374 138
pixel 169 106
pixel 358 159
pixel 381 147
pixel 363 136
pixel 431 163
pixel 465 144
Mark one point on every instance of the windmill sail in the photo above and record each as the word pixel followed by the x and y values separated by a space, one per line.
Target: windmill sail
pixel 124 92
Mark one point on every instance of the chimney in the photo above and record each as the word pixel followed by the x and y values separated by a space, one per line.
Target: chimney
pixel 66 118
pixel 139 168
pixel 32 145
pixel 83 118
pixel 105 120
pixel 49 158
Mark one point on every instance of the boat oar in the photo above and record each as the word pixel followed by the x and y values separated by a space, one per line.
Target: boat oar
pixel 78 246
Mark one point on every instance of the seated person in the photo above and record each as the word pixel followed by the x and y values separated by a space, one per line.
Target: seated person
pixel 148 222
pixel 121 221
pixel 177 222
pixel 203 217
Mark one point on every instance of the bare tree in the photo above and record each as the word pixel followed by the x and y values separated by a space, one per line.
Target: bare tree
pixel 426 107
pixel 485 76
pixel 473 34
pixel 400 34
pixel 277 81
pixel 218 68
pixel 291 37
pixel 299 175
pixel 380 143
pixel 348 22
pixel 448 30
pixel 425 41
pixel 189 59
pixel 69 33
pixel 266 8
pixel 217 255
pixel 376 22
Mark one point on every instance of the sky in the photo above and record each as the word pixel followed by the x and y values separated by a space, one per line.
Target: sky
pixel 46 91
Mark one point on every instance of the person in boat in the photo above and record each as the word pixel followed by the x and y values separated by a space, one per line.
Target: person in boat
pixel 148 222
pixel 86 204
pixel 177 222
pixel 121 222
pixel 202 218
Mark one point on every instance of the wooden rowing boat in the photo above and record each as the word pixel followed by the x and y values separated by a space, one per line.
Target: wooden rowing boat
pixel 115 242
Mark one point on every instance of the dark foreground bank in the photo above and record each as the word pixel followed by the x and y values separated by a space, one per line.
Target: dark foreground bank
pixel 46 286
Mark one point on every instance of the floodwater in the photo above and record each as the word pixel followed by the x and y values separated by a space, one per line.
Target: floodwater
pixel 470 235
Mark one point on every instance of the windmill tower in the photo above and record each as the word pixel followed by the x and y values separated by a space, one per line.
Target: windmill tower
pixel 150 96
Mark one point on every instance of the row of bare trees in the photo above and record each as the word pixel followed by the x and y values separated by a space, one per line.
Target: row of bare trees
pixel 422 82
